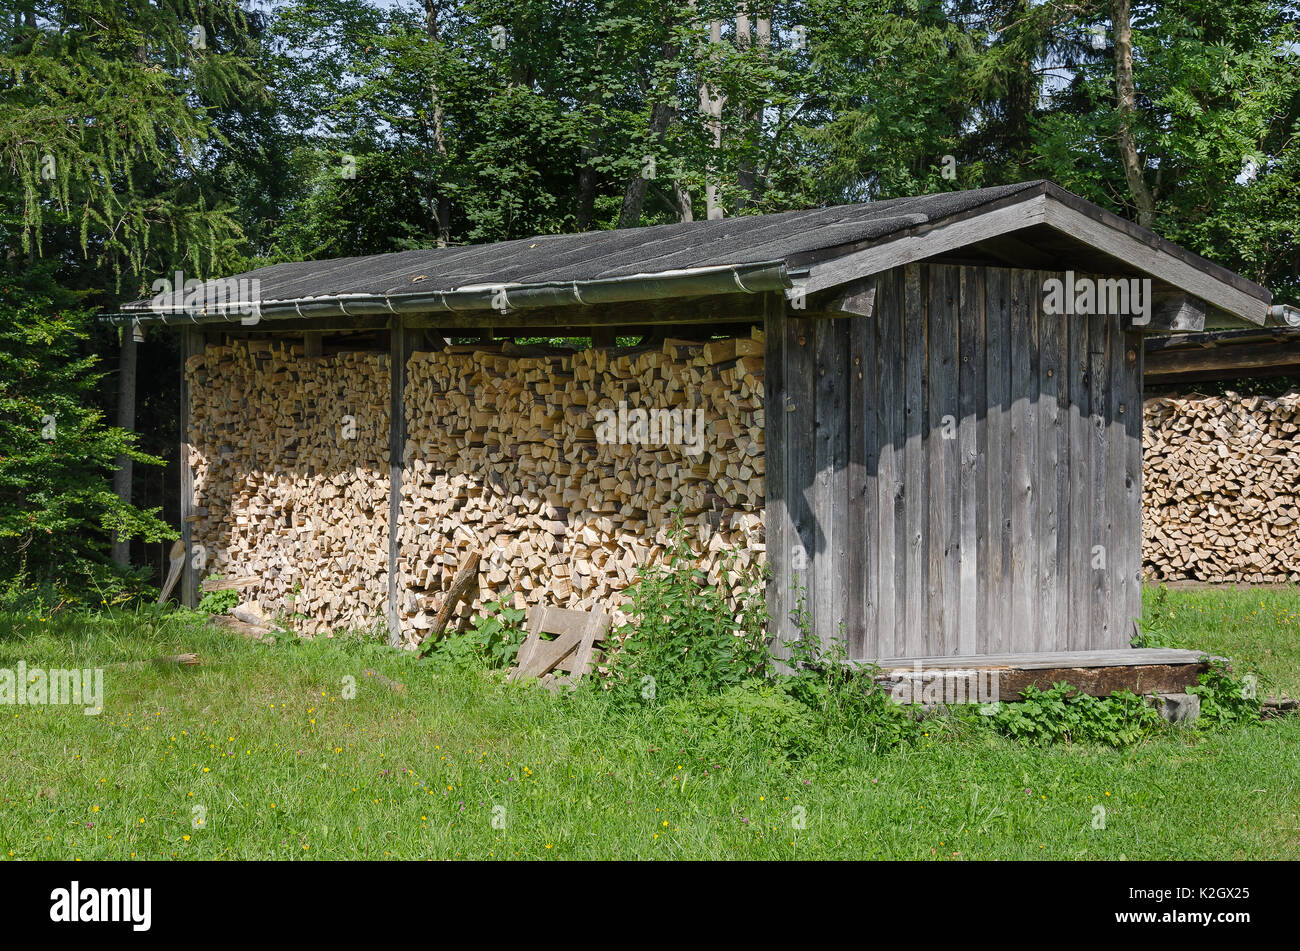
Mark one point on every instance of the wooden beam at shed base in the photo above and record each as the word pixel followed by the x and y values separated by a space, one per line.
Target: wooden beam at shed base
pixel 1103 681
pixel 1096 673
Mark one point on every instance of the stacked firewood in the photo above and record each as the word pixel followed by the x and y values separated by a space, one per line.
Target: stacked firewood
pixel 1221 489
pixel 542 463
pixel 290 462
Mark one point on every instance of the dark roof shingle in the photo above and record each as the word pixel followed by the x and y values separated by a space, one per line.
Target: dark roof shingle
pixel 595 255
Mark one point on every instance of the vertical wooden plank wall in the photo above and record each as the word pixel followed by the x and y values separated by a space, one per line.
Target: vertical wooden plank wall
pixel 972 554
pixel 1023 449
pixel 889 634
pixel 915 616
pixel 829 503
pixel 863 564
pixel 959 473
pixel 942 471
pixel 1126 465
pixel 1052 479
pixel 995 624
pixel 793 531
pixel 800 420
pixel 1101 546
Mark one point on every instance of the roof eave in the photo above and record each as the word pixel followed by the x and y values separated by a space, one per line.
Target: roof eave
pixel 755 278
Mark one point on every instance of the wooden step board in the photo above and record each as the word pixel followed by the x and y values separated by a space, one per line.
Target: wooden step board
pixel 1098 673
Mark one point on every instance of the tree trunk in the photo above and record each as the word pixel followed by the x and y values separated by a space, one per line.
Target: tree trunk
pixel 747 174
pixel 126 372
pixel 634 195
pixel 586 172
pixel 1126 102
pixel 587 190
pixel 711 102
pixel 682 199
pixel 441 207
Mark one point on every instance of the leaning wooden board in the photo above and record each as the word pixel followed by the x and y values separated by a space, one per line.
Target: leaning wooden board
pixel 576 634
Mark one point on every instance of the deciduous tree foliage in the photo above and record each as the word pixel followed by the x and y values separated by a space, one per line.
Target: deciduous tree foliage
pixel 319 128
pixel 513 117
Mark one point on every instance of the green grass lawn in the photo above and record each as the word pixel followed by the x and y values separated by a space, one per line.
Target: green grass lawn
pixel 1258 627
pixel 260 744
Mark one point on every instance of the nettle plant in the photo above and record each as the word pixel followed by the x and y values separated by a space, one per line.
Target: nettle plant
pixel 498 633
pixel 493 640
pixel 845 697
pixel 218 602
pixel 1225 700
pixel 1154 627
pixel 1066 714
pixel 688 638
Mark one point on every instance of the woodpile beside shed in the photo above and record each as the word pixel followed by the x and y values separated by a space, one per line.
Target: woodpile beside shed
pixel 1221 489
pixel 503 456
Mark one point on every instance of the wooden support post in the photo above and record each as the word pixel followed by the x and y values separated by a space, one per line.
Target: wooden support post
pixel 191 344
pixel 399 350
pixel 122 479
pixel 311 344
pixel 779 531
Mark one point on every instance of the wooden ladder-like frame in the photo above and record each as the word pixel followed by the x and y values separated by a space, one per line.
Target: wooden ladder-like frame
pixel 576 635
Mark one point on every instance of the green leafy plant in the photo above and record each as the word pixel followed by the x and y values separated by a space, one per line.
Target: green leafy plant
pixel 218 602
pixel 686 637
pixel 498 633
pixel 1225 700
pixel 1064 713
pixel 457 652
pixel 493 641
pixel 844 698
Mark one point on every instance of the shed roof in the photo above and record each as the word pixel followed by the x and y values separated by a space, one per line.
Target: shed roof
pixel 820 248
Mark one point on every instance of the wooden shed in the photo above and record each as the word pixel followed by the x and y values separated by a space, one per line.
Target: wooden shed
pixel 943 460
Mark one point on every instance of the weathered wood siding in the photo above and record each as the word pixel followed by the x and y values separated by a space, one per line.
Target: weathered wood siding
pixel 958 473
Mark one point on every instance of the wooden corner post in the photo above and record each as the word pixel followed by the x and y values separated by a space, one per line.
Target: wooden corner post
pixel 776 516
